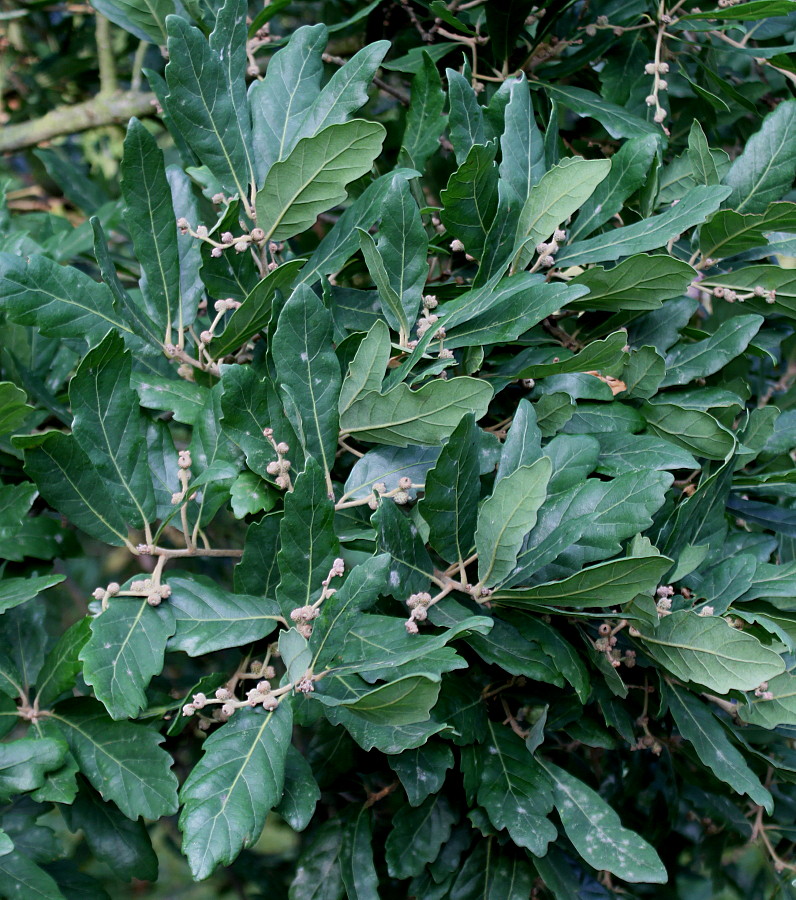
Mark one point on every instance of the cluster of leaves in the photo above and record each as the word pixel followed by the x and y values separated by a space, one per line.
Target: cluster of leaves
pixel 495 423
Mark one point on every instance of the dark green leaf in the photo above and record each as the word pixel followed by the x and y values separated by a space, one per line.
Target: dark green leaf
pixel 417 835
pixel 597 833
pixel 232 788
pixel 112 838
pixel 514 790
pixel 110 428
pixel 450 500
pixel 309 374
pixel 123 761
pixel 209 618
pixel 124 652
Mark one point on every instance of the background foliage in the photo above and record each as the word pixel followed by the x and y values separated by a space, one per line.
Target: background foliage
pixel 422 382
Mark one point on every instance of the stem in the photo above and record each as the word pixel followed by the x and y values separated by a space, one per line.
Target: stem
pixel 138 65
pixel 105 57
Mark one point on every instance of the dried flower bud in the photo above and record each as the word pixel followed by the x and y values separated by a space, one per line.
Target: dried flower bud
pixel 706 611
pixel 430 301
pixel 445 354
pixel 305 686
pixel 184 459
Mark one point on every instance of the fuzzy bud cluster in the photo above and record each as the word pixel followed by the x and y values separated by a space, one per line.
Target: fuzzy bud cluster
pixel 548 250
pixel 763 692
pixel 425 322
pixel 221 306
pixel 241 242
pixel 648 742
pixel 770 296
pixel 337 571
pixel 302 616
pixel 418 604
pixel 457 246
pixel 280 467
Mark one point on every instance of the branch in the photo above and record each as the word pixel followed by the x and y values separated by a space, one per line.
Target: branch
pixel 108 109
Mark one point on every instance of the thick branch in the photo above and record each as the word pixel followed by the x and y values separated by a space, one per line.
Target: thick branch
pixel 108 109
